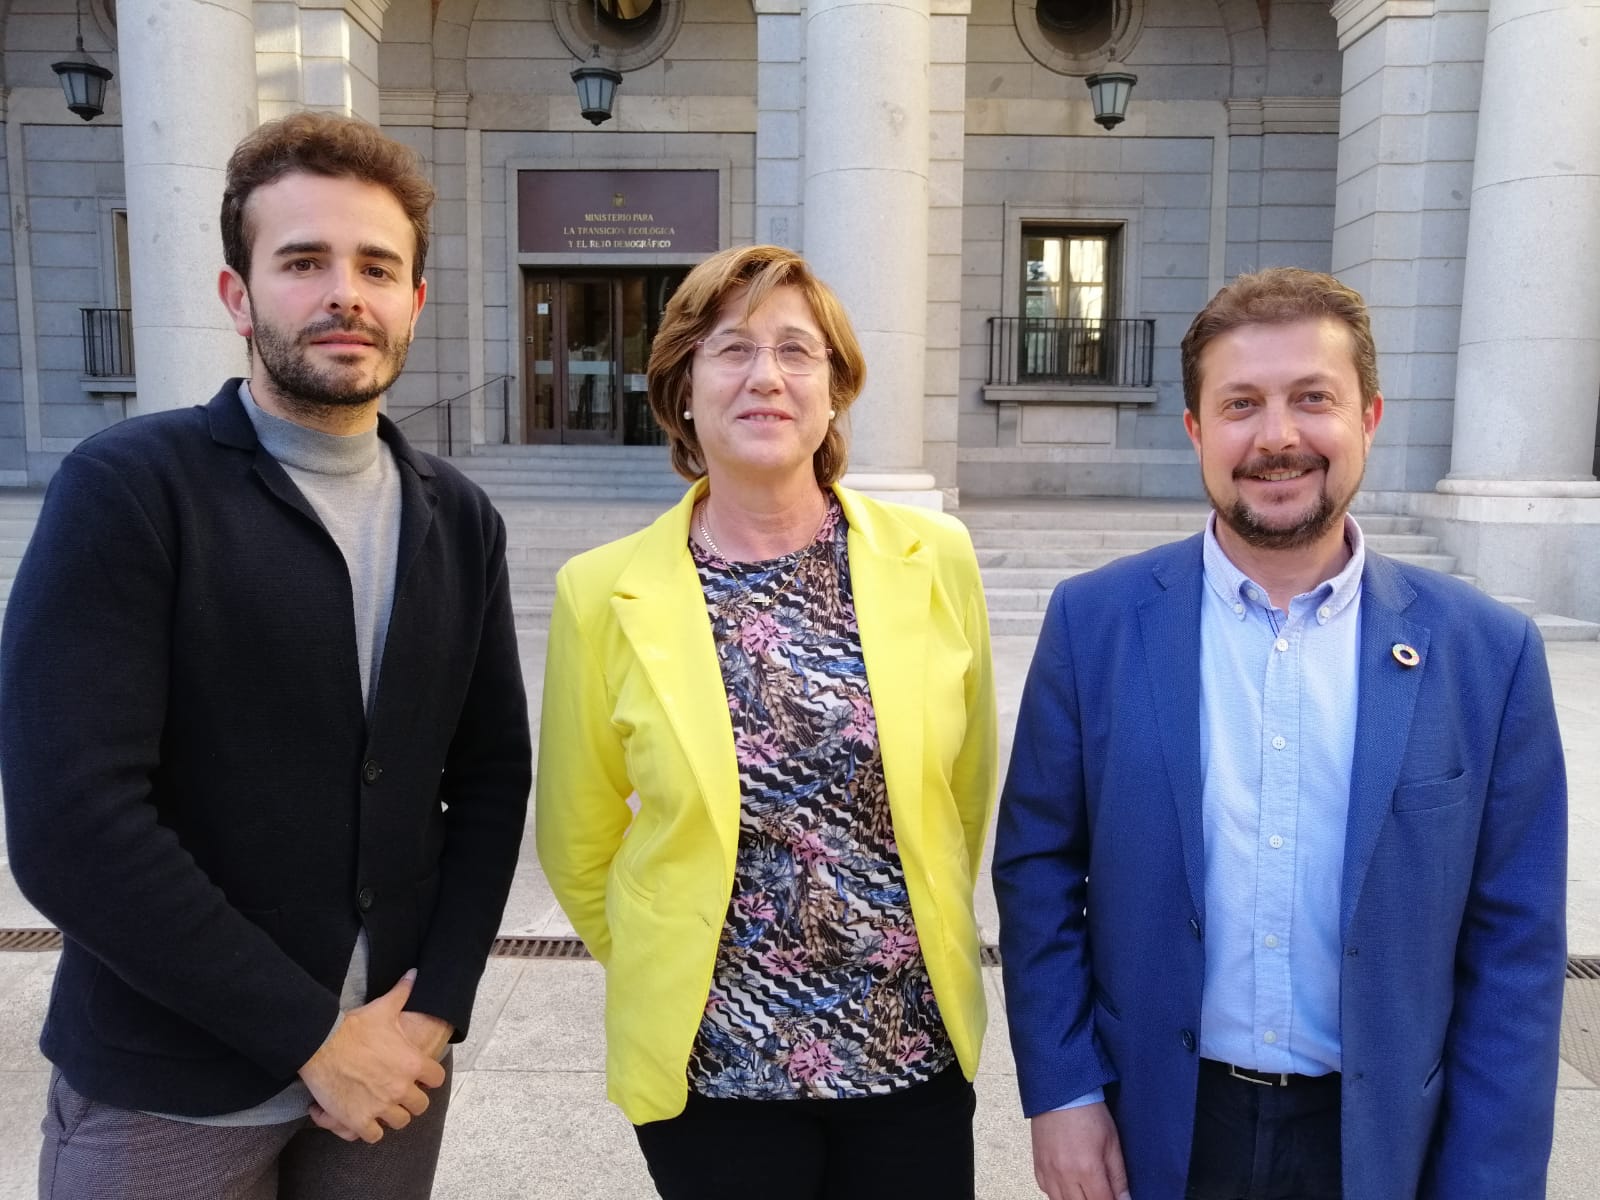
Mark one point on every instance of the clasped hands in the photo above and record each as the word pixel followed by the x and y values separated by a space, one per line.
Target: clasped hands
pixel 374 1068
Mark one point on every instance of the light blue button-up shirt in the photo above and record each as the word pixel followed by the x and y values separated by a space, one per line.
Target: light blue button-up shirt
pixel 1277 735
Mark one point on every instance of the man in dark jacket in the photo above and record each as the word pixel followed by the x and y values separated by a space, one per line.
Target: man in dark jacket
pixel 263 732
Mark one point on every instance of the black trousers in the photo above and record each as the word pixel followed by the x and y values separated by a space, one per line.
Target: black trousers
pixel 1253 1142
pixel 915 1142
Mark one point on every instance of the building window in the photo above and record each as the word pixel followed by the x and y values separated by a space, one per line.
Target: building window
pixel 628 33
pixel 1068 304
pixel 119 256
pixel 1078 26
pixel 1077 37
pixel 633 16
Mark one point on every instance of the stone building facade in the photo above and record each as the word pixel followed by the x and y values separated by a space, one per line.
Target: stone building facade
pixel 1020 276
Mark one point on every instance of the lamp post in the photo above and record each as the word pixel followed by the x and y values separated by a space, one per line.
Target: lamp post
pixel 1109 90
pixel 82 79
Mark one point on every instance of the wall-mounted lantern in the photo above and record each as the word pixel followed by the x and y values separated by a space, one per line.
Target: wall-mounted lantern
pixel 1109 90
pixel 83 80
pixel 597 88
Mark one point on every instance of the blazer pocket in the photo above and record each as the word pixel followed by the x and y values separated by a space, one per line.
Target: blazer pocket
pixel 1103 1002
pixel 631 887
pixel 1433 1075
pixel 1433 793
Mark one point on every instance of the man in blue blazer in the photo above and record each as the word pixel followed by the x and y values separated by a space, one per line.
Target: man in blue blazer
pixel 1281 854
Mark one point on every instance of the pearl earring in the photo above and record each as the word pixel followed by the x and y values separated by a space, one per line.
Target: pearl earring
pixel 832 413
pixel 687 415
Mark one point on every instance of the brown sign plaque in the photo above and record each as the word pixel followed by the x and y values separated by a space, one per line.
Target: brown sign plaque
pixel 617 212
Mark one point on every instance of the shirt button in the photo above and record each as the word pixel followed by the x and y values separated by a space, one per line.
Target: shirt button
pixel 364 899
pixel 1323 614
pixel 1269 1037
pixel 1188 1040
pixel 370 771
pixel 1281 645
pixel 1275 841
pixel 1238 608
pixel 1278 743
pixel 1253 594
pixel 1270 941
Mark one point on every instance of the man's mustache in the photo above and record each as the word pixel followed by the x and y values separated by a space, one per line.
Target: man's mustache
pixel 1269 463
pixel 345 325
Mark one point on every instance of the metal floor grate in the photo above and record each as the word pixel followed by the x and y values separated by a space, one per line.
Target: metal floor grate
pixel 539 947
pixel 1583 968
pixel 30 939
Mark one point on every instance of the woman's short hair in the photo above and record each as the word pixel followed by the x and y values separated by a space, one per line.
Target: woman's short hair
pixel 691 315
pixel 319 143
pixel 1276 296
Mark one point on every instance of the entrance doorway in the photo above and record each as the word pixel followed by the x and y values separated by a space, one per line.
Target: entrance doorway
pixel 586 343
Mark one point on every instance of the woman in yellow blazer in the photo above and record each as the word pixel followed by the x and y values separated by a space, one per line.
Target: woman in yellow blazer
pixel 766 766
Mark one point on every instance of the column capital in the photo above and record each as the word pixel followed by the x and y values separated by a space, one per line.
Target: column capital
pixel 1357 18
pixel 366 13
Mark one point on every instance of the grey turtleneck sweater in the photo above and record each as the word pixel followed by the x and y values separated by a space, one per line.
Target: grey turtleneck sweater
pixel 353 485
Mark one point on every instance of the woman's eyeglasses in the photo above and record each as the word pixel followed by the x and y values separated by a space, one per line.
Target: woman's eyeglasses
pixel 730 352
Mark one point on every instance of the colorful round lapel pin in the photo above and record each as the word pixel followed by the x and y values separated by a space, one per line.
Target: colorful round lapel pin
pixel 1405 655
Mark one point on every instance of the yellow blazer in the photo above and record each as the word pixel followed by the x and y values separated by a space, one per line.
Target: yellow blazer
pixel 638 790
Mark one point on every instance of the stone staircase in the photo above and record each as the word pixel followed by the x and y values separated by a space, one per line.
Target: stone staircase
pixel 574 473
pixel 1024 546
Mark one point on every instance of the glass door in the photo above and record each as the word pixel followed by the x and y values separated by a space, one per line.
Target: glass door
pixel 590 405
pixel 586 346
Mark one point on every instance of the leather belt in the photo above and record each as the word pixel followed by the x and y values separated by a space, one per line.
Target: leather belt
pixel 1276 1079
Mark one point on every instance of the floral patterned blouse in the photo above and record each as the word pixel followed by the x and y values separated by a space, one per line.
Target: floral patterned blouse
pixel 819 988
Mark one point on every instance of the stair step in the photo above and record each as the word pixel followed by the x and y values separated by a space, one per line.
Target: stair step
pixel 593 492
pixel 1521 603
pixel 1180 523
pixel 1436 562
pixel 1565 629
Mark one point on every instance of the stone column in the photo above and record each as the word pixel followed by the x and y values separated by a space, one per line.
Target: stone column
pixel 1528 368
pixel 176 141
pixel 780 112
pixel 866 168
pixel 319 54
pixel 1407 128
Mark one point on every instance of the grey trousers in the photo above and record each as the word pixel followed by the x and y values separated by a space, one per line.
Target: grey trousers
pixel 95 1151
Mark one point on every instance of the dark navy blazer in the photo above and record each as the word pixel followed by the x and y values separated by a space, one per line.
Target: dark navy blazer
pixel 1453 913
pixel 194 793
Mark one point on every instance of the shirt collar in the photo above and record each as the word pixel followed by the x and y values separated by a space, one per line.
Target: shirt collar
pixel 1240 592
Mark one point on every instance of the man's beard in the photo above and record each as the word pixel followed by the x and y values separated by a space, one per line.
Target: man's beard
pixel 1318 519
pixel 287 362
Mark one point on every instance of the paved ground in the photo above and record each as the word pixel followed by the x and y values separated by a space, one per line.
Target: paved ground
pixel 530 1120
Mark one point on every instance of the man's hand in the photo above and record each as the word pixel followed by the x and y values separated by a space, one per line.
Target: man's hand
pixel 1076 1155
pixel 427 1033
pixel 366 1075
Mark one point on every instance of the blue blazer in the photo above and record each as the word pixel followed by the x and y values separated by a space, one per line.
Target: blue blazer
pixel 1453 910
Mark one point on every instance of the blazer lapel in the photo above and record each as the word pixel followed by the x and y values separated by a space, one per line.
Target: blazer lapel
pixel 417 501
pixel 890 581
pixel 1384 708
pixel 1169 625
pixel 661 609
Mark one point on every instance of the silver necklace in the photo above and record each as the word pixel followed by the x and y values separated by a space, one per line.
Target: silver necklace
pixel 744 587
pixel 711 542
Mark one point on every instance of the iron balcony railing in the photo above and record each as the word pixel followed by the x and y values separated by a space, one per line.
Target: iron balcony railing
pixel 1071 351
pixel 107 342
